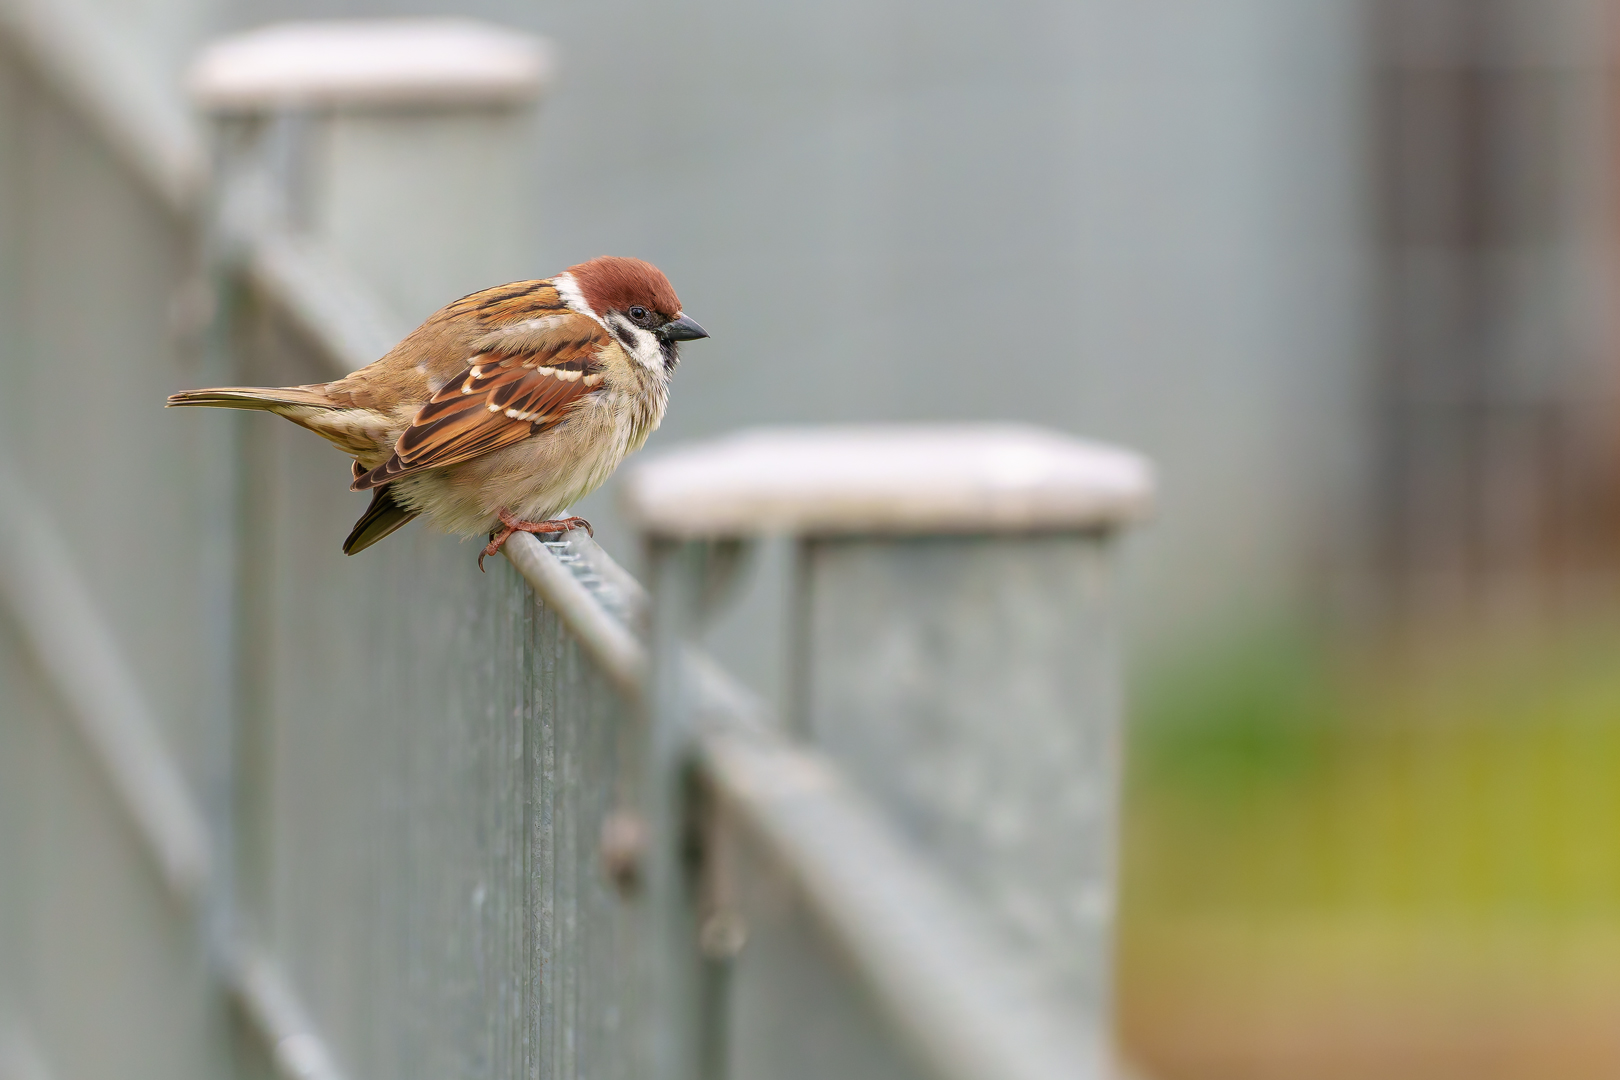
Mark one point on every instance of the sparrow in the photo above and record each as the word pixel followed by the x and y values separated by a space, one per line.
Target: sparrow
pixel 502 408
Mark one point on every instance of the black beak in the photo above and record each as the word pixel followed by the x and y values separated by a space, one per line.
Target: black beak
pixel 682 329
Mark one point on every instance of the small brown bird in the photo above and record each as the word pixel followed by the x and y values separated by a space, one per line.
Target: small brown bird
pixel 503 407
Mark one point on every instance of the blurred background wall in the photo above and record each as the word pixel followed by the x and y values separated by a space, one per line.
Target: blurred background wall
pixel 1342 268
pixel 1492 462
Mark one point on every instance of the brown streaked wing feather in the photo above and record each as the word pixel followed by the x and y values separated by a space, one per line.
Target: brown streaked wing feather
pixel 504 303
pixel 503 396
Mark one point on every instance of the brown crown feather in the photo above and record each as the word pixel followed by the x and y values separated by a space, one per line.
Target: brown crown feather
pixel 615 283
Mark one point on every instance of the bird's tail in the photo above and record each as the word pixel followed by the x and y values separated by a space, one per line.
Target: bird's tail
pixel 382 517
pixel 278 399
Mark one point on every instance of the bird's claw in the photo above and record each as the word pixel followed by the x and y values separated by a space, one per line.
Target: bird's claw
pixel 510 525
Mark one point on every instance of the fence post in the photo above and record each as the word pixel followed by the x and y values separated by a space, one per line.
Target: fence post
pixel 397 143
pixel 675 1009
pixel 955 654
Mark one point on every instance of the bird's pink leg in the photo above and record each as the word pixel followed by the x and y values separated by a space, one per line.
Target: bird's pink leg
pixel 510 525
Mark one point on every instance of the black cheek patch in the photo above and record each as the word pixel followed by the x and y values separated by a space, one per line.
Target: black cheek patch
pixel 626 338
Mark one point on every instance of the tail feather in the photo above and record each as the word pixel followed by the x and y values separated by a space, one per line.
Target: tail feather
pixel 268 398
pixel 382 517
pixel 353 430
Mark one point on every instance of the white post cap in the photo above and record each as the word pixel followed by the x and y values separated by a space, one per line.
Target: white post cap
pixel 888 479
pixel 391 63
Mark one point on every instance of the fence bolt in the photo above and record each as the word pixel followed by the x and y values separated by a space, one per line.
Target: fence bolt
pixel 623 845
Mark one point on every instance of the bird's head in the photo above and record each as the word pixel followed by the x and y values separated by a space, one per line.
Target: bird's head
pixel 636 303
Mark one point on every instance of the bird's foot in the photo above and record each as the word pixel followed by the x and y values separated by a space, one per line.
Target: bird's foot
pixel 510 524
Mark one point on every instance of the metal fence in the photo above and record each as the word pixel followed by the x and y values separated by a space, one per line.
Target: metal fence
pixel 404 819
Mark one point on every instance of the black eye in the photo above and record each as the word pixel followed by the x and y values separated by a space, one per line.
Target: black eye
pixel 638 313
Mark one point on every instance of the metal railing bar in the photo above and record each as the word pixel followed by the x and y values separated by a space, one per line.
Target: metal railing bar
pixel 609 583
pixel 963 1006
pixel 610 642
pixel 77 55
pixel 79 655
pixel 634 594
pixel 273 1008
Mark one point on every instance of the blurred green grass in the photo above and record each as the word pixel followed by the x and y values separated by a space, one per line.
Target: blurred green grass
pixel 1376 859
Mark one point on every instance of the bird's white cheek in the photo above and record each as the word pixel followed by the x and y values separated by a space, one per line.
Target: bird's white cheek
pixel 648 353
pixel 642 345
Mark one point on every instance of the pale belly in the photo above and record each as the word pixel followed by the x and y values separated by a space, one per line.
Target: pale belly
pixel 533 479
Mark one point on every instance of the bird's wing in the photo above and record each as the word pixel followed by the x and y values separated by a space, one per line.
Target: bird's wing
pixel 520 380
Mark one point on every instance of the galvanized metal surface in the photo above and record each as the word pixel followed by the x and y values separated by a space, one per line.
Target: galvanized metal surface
pixel 586 603
pixel 959 1005
pixel 453 844
pixel 966 684
pixel 428 760
pixel 970 687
